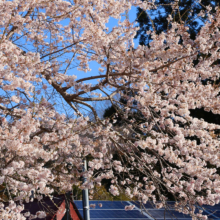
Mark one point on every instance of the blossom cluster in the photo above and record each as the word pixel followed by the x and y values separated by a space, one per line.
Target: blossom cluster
pixel 45 133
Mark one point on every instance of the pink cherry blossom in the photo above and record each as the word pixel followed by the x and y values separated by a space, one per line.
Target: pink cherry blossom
pixel 49 117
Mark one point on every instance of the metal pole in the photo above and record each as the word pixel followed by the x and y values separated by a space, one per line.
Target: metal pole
pixel 67 198
pixel 85 194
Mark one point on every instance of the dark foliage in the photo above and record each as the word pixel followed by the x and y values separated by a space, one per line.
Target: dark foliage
pixel 187 14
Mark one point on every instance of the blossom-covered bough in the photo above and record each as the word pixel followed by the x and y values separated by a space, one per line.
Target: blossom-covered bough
pixel 42 146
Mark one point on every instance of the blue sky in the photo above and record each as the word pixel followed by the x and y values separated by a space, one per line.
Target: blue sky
pixel 93 65
pixel 100 106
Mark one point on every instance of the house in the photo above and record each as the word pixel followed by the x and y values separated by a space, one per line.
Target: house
pixel 55 209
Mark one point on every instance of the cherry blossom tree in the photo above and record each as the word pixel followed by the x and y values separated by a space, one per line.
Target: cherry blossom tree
pixel 42 143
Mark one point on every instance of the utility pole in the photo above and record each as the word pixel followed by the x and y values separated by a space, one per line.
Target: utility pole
pixel 85 195
pixel 67 203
